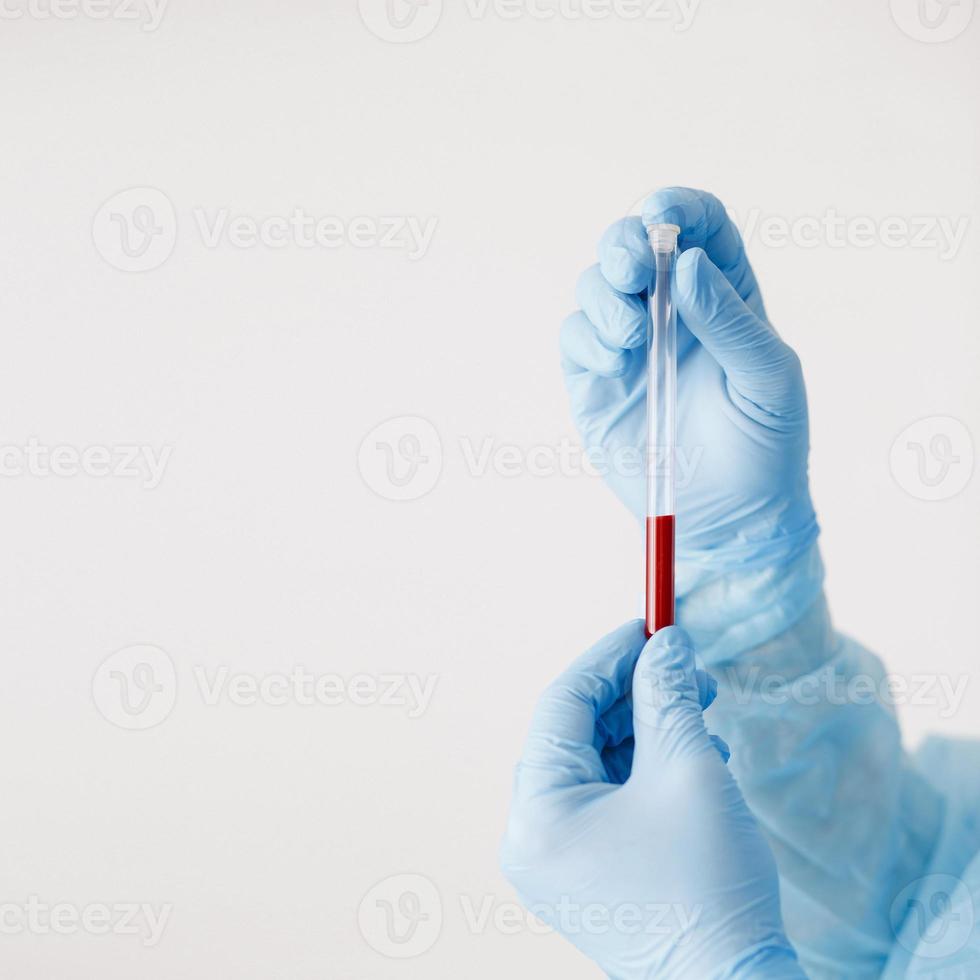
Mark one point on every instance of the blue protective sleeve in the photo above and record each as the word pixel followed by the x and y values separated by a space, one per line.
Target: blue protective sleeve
pixel 937 918
pixel 819 759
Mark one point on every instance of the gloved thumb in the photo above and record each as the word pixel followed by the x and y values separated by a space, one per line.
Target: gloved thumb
pixel 668 723
pixel 760 368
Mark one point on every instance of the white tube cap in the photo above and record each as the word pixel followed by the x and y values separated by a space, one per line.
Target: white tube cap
pixel 663 238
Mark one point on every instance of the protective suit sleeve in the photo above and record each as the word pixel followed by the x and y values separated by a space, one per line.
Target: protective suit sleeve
pixel 937 917
pixel 817 752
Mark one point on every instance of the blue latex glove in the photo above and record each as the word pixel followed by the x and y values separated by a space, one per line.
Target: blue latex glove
pixel 628 834
pixel 742 431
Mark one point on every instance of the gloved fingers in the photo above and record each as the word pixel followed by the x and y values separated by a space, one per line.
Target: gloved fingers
pixel 667 716
pixel 761 369
pixel 614 733
pixel 624 251
pixel 615 724
pixel 625 257
pixel 707 688
pixel 618 761
pixel 560 749
pixel 722 746
pixel 704 223
pixel 583 350
pixel 620 318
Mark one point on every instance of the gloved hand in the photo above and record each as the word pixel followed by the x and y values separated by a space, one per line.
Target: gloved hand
pixel 742 431
pixel 849 820
pixel 628 834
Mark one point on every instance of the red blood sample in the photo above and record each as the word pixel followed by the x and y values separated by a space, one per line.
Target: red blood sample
pixel 660 572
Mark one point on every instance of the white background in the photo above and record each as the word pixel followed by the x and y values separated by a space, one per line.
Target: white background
pixel 263 369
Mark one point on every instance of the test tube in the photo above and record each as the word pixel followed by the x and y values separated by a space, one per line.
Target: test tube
pixel 661 410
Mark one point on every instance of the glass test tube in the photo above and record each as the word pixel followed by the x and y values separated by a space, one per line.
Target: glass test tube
pixel 661 410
